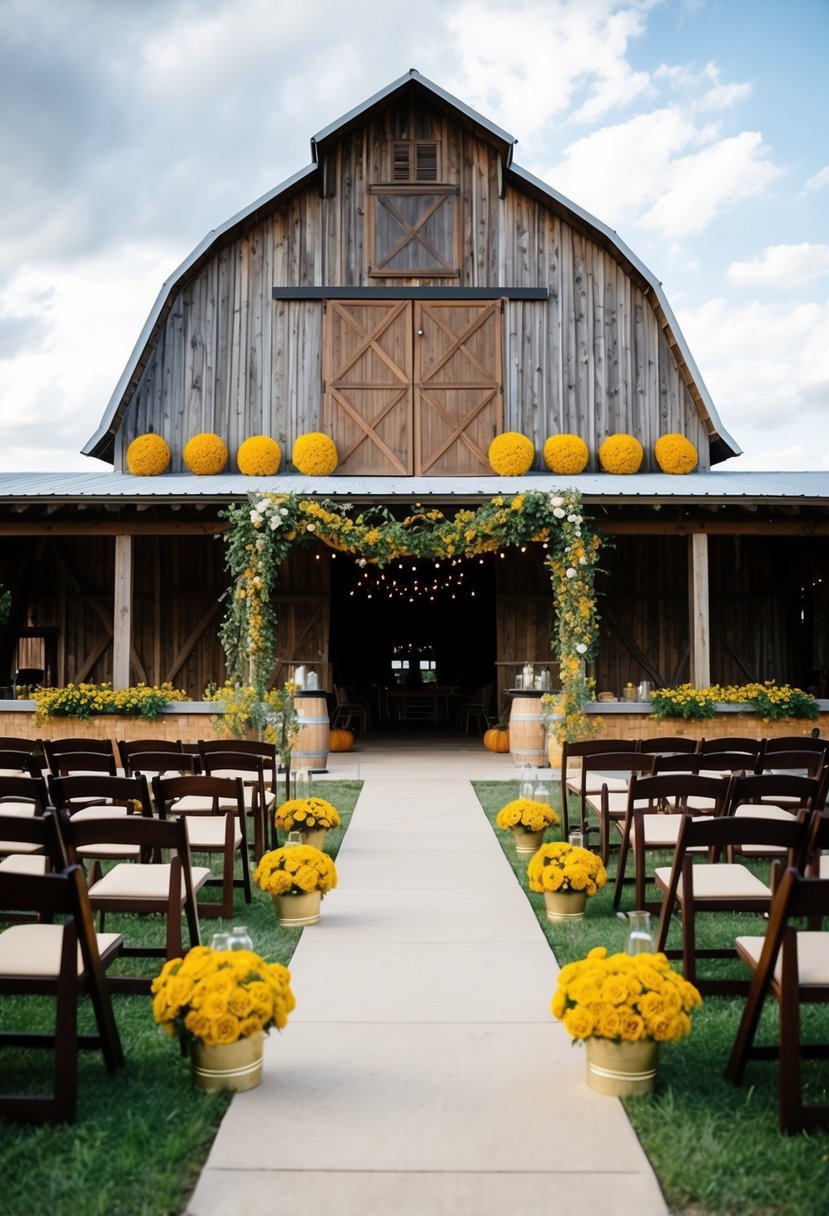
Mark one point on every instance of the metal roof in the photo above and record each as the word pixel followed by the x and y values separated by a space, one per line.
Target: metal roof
pixel 716 486
pixel 101 444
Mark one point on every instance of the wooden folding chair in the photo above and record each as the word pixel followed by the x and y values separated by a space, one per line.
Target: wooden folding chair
pixel 128 748
pixel 64 959
pixel 53 748
pixel 22 798
pixel 18 762
pixel 166 887
pixel 700 881
pixel 69 763
pixel 572 756
pixel 256 764
pixel 611 772
pixel 790 963
pixel 669 745
pixel 655 806
pixel 216 825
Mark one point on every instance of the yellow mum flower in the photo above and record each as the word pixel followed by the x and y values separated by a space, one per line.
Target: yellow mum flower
pixel 148 456
pixel 675 454
pixel 621 454
pixel 259 456
pixel 205 454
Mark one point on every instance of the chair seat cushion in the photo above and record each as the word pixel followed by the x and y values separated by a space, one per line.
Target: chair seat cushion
pixel 660 830
pixel 208 832
pixel 34 950
pixel 719 881
pixel 24 863
pixel 595 781
pixel 141 882
pixel 812 956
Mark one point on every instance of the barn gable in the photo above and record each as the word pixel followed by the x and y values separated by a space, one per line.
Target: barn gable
pixel 412 293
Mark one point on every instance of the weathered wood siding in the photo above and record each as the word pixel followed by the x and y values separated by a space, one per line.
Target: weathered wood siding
pixel 592 359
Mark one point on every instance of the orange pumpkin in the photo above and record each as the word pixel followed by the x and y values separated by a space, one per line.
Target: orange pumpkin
pixel 496 739
pixel 340 740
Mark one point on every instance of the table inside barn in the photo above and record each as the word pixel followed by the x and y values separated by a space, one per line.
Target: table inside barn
pixel 426 704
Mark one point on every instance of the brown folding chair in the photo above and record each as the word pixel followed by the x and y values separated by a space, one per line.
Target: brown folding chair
pixel 702 881
pixel 256 764
pixel 611 772
pixel 220 828
pixel 101 796
pixel 22 798
pixel 168 888
pixel 652 820
pixel 572 755
pixel 127 748
pixel 18 762
pixel 58 955
pixel 669 745
pixel 791 963
pixel 733 743
pixel 65 764
pixel 53 748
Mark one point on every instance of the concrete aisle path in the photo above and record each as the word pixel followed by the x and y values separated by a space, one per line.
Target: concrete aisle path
pixel 422 1073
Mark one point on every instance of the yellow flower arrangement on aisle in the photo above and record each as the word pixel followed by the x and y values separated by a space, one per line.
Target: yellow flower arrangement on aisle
pixel 295 870
pixel 148 456
pixel 511 454
pixel 205 454
pixel 528 814
pixel 621 454
pixel 675 454
pixel 306 815
pixel 259 456
pixel 624 997
pixel 315 454
pixel 220 996
pixel 562 866
pixel 566 454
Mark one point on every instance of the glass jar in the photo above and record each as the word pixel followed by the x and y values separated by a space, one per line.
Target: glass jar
pixel 220 940
pixel 639 940
pixel 527 786
pixel 240 939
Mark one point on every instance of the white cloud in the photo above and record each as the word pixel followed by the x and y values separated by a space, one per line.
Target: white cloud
pixel 782 267
pixel 818 180
pixel 766 367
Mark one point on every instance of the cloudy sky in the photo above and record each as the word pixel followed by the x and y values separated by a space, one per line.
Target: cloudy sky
pixel 695 128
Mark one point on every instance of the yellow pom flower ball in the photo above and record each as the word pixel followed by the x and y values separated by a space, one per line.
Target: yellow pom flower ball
pixel 675 454
pixel 621 454
pixel 205 454
pixel 315 454
pixel 566 454
pixel 511 454
pixel 148 456
pixel 259 456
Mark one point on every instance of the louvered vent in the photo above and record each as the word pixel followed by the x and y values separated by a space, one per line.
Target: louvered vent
pixel 414 161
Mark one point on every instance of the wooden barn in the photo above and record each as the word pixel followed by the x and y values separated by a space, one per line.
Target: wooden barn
pixel 413 293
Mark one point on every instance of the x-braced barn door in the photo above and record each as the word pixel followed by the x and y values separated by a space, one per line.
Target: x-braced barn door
pixel 413 387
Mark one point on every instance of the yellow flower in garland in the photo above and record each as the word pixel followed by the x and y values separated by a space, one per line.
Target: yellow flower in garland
pixel 148 456
pixel 624 997
pixel 621 454
pixel 259 456
pixel 675 454
pixel 315 454
pixel 566 454
pixel 511 454
pixel 205 454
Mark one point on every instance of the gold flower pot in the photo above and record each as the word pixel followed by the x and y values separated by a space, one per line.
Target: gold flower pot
pixel 315 837
pixel 526 841
pixel 565 905
pixel 621 1069
pixel 228 1065
pixel 294 911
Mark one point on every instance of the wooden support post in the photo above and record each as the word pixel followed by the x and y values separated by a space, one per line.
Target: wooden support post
pixel 699 632
pixel 122 613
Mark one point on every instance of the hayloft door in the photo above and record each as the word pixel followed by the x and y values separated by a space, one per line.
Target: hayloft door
pixel 413 387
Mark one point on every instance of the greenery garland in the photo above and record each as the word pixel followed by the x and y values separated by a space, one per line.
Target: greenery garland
pixel 264 528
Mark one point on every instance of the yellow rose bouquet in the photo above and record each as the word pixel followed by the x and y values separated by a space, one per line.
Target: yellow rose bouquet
pixel 306 815
pixel 526 814
pixel 295 870
pixel 219 996
pixel 565 867
pixel 625 997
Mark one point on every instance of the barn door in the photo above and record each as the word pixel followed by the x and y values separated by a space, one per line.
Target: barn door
pixel 413 388
pixel 368 386
pixel 457 405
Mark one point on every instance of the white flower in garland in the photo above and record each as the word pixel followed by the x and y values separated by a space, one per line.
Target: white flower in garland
pixel 255 518
pixel 571 573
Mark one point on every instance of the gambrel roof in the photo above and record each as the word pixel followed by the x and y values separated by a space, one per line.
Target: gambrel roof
pixel 102 443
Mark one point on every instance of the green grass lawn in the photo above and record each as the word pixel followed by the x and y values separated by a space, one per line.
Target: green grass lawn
pixel 142 1136
pixel 715 1148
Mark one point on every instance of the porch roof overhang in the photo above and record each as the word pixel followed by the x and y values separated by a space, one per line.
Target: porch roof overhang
pixel 43 503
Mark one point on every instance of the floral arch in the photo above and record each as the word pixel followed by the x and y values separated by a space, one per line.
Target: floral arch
pixel 263 530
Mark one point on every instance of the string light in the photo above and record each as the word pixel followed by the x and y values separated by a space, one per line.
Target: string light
pixel 415 582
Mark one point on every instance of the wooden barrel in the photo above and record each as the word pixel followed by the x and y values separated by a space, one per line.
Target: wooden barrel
pixel 311 748
pixel 527 732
